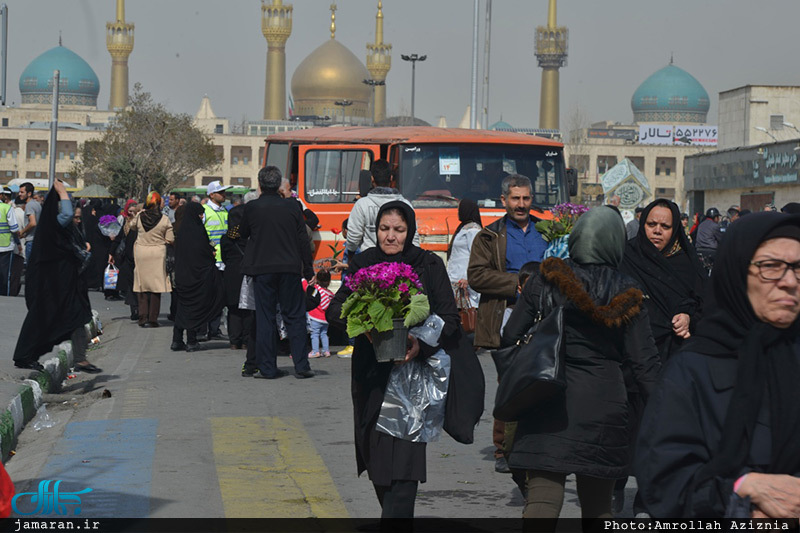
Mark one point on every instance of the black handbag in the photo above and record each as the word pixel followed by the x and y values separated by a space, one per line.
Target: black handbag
pixel 537 360
pixel 169 262
pixel 313 297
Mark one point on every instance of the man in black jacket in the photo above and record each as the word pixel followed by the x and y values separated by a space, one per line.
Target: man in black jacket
pixel 277 252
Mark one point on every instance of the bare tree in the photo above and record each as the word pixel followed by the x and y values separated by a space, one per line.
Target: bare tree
pixel 577 124
pixel 146 146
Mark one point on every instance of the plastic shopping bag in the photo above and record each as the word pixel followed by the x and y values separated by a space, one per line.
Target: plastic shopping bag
pixel 247 294
pixel 414 403
pixel 110 277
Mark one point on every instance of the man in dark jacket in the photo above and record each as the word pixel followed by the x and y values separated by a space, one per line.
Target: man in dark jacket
pixel 498 252
pixel 709 234
pixel 277 253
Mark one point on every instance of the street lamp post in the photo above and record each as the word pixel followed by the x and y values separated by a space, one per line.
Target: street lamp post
pixel 765 130
pixel 790 125
pixel 373 83
pixel 343 104
pixel 413 58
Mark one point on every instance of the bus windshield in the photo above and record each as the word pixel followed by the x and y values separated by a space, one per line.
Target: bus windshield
pixel 439 175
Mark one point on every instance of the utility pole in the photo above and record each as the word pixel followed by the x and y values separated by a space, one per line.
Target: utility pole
pixel 473 106
pixel 54 128
pixel 4 52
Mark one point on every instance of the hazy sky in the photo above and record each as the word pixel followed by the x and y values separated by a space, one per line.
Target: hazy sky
pixel 187 48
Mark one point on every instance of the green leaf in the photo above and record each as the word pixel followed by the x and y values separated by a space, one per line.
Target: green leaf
pixel 384 321
pixel 418 310
pixel 355 327
pixel 375 310
pixel 352 300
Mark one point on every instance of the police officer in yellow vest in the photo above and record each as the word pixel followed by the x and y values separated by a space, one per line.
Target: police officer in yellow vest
pixel 216 223
pixel 216 217
pixel 9 242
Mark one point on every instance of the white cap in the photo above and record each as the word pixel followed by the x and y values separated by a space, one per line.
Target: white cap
pixel 216 186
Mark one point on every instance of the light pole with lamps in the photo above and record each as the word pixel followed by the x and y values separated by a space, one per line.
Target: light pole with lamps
pixel 373 83
pixel 343 104
pixel 765 130
pixel 413 58
pixel 790 125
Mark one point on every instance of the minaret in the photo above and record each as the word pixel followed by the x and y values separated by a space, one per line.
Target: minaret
pixel 119 41
pixel 379 61
pixel 276 25
pixel 551 51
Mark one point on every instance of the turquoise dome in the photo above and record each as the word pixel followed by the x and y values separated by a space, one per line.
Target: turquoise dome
pixel 501 125
pixel 78 82
pixel 670 95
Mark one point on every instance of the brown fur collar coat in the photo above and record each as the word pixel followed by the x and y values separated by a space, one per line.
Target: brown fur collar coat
pixel 618 312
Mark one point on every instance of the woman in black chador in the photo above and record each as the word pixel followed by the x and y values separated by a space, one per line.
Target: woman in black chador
pixel 198 282
pixel 397 466
pixel 720 434
pixel 55 287
pixel 665 265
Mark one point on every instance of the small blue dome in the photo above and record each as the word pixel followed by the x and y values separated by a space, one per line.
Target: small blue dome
pixel 501 125
pixel 670 95
pixel 78 82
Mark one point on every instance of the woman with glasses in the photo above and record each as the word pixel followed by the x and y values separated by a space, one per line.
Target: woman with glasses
pixel 719 435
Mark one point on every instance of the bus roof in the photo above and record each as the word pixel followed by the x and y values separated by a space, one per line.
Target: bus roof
pixel 401 134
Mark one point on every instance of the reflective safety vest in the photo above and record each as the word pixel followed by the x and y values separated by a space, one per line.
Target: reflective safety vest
pixel 5 229
pixel 216 226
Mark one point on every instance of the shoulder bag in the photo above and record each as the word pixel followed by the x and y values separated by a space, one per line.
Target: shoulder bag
pixel 468 313
pixel 537 361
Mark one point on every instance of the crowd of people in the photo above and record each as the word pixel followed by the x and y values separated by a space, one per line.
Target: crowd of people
pixel 685 379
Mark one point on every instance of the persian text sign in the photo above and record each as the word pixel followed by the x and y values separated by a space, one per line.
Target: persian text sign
pixel 678 135
pixel 696 135
pixel 655 134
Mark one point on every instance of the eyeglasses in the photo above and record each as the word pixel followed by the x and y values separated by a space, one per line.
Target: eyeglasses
pixel 775 269
pixel 77 217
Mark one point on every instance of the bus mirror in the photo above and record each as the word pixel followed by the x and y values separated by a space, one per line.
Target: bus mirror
pixel 572 181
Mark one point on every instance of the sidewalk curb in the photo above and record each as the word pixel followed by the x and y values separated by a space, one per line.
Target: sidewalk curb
pixel 23 406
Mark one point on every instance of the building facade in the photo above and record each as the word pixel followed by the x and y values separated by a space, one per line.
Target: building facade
pixel 757 114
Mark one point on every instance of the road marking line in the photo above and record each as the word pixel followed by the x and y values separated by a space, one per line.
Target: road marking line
pixel 269 468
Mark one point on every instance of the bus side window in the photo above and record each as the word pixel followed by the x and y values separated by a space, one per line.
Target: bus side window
pixel 332 175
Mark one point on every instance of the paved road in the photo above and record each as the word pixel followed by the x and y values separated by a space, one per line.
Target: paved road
pixel 184 435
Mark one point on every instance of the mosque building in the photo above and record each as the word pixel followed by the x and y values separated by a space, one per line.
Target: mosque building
pixel 330 86
pixel 670 111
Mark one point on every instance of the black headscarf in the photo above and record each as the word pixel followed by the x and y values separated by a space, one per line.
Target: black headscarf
pixel 55 292
pixel 198 283
pixel 468 211
pixel 766 355
pixel 673 278
pixel 150 217
pixel 412 255
pixel 792 208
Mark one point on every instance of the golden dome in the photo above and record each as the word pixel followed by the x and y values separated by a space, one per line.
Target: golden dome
pixel 330 73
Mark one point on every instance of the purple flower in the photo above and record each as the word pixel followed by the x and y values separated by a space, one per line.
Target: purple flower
pixel 105 220
pixel 403 287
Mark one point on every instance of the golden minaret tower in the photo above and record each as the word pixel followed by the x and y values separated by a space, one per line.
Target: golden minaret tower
pixel 119 41
pixel 379 61
pixel 276 25
pixel 551 51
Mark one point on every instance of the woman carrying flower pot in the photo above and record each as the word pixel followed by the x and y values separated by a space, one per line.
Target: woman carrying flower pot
pixel 396 466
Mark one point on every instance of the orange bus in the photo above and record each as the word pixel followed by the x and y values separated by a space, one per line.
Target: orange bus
pixel 433 168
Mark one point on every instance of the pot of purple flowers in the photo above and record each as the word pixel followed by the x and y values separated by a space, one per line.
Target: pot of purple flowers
pixel 386 300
